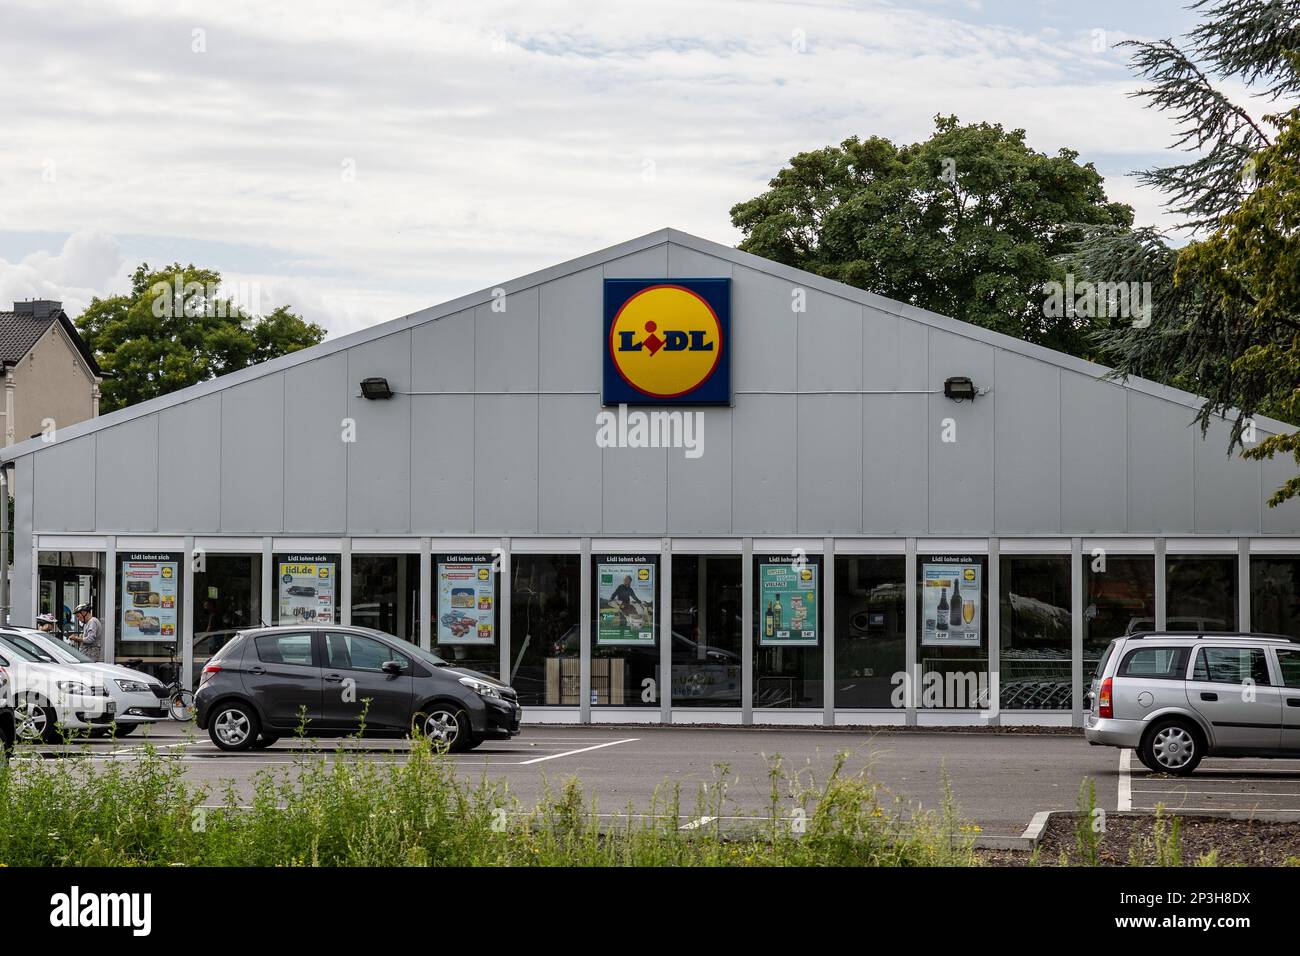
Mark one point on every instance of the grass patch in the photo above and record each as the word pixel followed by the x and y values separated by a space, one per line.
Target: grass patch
pixel 418 812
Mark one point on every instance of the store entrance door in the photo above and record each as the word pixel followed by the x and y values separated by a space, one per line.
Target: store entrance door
pixel 62 589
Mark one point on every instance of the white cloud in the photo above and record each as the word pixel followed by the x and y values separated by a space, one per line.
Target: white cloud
pixel 407 152
pixel 89 264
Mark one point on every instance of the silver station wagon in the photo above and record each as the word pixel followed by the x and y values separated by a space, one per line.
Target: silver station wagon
pixel 1177 697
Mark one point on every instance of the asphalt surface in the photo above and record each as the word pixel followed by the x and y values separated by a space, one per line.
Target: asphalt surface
pixel 999 781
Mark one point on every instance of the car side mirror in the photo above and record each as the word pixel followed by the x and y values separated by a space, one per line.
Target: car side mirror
pixel 391 667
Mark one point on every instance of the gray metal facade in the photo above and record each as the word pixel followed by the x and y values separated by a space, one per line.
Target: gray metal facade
pixel 501 439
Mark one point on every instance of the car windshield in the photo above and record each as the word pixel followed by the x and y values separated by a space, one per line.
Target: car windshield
pixel 23 655
pixel 65 653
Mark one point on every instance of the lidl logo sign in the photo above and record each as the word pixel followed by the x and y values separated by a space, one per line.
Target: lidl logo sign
pixel 667 341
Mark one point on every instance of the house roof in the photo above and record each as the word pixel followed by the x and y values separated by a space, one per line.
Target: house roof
pixel 20 331
pixel 594 259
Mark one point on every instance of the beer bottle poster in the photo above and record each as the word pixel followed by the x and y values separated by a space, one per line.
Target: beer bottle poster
pixel 951 591
pixel 625 602
pixel 306 589
pixel 787 607
pixel 467 600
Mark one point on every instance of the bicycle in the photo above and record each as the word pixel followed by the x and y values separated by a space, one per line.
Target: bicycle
pixel 180 701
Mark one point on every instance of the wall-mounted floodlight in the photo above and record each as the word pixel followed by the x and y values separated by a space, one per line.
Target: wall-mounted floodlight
pixel 960 389
pixel 375 388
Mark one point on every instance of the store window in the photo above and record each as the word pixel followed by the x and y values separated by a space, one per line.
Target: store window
pixel 625 630
pixel 227 599
pixel 870 629
pixel 707 630
pixel 305 588
pixel 69 578
pixel 149 613
pixel 789 667
pixel 1120 599
pixel 1035 621
pixel 386 594
pixel 545 640
pixel 466 618
pixel 1201 592
pixel 1275 594
pixel 953 646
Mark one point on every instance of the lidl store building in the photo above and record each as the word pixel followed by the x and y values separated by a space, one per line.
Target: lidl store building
pixel 671 482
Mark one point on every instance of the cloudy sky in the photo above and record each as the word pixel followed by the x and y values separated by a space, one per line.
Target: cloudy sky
pixel 359 161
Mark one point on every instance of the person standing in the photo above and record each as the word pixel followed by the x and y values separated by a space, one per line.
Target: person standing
pixel 91 638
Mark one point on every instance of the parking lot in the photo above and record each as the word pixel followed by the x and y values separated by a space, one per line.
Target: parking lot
pixel 999 781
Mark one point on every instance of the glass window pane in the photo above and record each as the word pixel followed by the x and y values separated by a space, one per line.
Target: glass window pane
pixel 1163 663
pixel 149 603
pixel 466 618
pixel 1275 595
pixel 305 588
pixel 1201 592
pixel 284 649
pixel 386 594
pixel 1289 660
pixel 545 598
pixel 1034 673
pixel 707 630
pixel 789 666
pixel 625 630
pixel 227 599
pixel 953 647
pixel 870 629
pixel 1120 598
pixel 1231 665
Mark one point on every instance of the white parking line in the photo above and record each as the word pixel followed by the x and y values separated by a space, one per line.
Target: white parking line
pixel 580 750
pixel 697 823
pixel 1125 780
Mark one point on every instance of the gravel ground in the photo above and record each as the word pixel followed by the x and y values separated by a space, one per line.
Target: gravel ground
pixel 1238 842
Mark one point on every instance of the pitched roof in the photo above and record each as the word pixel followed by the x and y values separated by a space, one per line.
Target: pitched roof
pixel 590 260
pixel 20 331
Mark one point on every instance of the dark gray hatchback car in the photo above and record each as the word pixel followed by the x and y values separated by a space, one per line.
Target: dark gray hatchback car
pixel 261 685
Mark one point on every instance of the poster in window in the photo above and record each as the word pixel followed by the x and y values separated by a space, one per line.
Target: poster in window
pixel 150 586
pixel 787 602
pixel 951 591
pixel 467 600
pixel 625 600
pixel 306 588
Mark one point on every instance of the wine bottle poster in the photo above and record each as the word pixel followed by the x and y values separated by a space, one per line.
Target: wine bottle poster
pixel 787 609
pixel 951 591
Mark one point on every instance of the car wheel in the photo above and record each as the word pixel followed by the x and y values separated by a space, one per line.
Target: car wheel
pixel 1173 746
pixel 35 721
pixel 234 726
pixel 447 728
pixel 263 741
pixel 1146 761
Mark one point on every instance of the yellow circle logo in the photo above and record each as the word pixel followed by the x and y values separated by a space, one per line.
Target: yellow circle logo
pixel 665 341
pixel 643 574
pixel 969 574
pixel 482 574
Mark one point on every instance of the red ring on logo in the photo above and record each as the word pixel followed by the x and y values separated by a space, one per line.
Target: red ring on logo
pixel 614 325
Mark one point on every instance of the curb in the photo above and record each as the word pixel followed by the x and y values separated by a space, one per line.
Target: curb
pixel 1033 833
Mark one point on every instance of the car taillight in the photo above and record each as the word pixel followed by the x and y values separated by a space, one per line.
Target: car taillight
pixel 208 673
pixel 1104 709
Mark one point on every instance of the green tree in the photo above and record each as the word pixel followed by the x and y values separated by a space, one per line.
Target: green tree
pixel 1208 314
pixel 173 330
pixel 970 223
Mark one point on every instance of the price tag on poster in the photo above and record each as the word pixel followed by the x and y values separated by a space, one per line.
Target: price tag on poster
pixel 467 599
pixel 626 599
pixel 306 588
pixel 150 597
pixel 951 591
pixel 788 597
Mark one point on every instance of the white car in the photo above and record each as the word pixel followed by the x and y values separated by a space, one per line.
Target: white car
pixel 139 697
pixel 50 698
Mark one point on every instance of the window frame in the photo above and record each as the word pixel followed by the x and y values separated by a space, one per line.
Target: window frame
pixel 1176 672
pixel 294 632
pixel 1208 679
